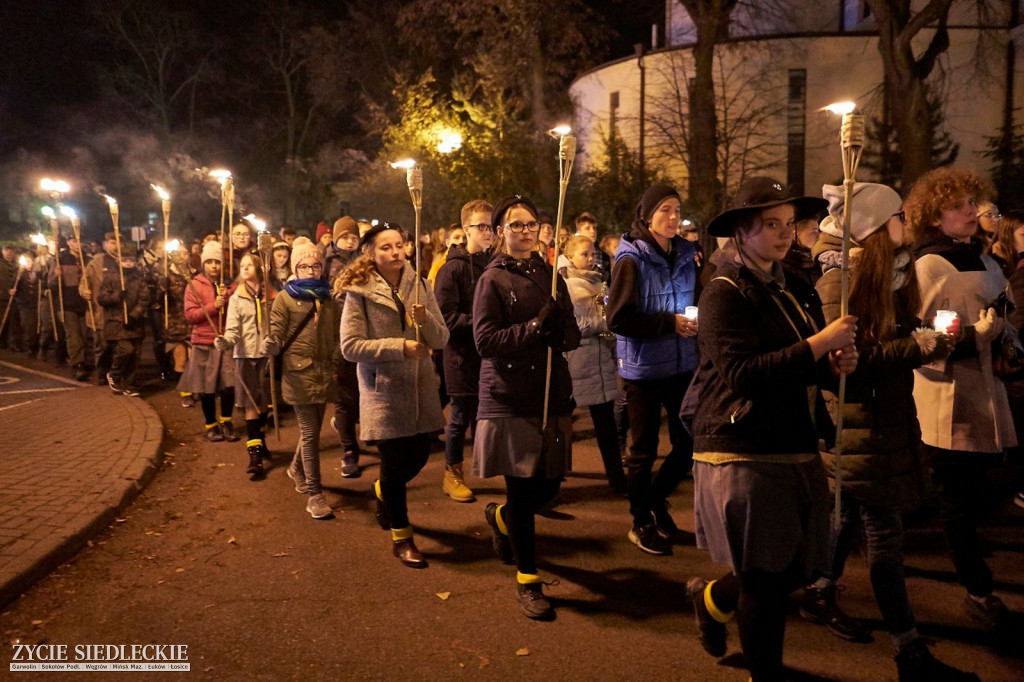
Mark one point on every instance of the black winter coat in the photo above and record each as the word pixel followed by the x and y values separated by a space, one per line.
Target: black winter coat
pixel 136 293
pixel 508 337
pixel 757 374
pixel 454 287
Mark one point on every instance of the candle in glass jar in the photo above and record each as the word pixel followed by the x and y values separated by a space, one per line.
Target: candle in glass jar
pixel 691 312
pixel 944 319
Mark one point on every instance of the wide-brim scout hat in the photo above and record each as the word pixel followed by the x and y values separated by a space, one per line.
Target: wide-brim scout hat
pixel 759 193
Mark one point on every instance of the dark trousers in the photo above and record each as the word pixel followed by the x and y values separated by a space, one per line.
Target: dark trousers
pixel 461 415
pixel 966 498
pixel 125 355
pixel 524 498
pixel 883 533
pixel 346 407
pixel 400 460
pixel 156 323
pixel 607 437
pixel 645 400
pixel 10 335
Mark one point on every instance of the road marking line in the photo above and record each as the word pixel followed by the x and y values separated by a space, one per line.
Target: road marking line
pixel 55 377
pixel 27 402
pixel 36 390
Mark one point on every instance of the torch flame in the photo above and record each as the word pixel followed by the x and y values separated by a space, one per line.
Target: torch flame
pixel 48 212
pixel 39 239
pixel 162 192
pixel 25 262
pixel 840 108
pixel 172 246
pixel 404 163
pixel 260 225
pixel 110 200
pixel 222 175
pixel 68 212
pixel 59 186
pixel 561 131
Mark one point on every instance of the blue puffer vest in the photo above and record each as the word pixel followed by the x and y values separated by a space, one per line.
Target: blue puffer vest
pixel 664 288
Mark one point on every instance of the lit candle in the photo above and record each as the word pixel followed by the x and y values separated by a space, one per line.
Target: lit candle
pixel 691 312
pixel 944 319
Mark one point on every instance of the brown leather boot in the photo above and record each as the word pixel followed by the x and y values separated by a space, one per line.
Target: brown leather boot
pixel 407 553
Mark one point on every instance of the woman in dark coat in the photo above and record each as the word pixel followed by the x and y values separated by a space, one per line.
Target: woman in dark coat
pixel 760 494
pixel 515 325
pixel 882 458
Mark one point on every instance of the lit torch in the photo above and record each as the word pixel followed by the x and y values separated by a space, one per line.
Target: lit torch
pixel 24 262
pixel 48 212
pixel 166 206
pixel 112 202
pixel 76 225
pixel 227 208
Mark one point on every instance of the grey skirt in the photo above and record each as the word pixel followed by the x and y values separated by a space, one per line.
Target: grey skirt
pixel 760 515
pixel 251 386
pixel 208 371
pixel 515 446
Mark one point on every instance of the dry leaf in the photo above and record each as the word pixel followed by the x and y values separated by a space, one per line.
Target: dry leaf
pixel 522 652
pixel 232 540
pixel 280 554
pixel 179 570
pixel 120 520
pixel 37 622
pixel 444 595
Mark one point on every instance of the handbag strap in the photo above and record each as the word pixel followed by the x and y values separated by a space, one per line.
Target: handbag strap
pixel 299 328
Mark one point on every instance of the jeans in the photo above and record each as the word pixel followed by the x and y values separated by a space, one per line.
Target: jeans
pixel 306 461
pixel 607 437
pixel 400 460
pixel 645 399
pixel 883 532
pixel 965 497
pixel 461 415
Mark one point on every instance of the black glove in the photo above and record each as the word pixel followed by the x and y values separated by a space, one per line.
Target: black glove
pixel 549 318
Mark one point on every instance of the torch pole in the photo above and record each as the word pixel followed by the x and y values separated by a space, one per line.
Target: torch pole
pixel 265 245
pixel 10 300
pixel 75 226
pixel 851 141
pixel 167 220
pixel 56 269
pixel 114 213
pixel 566 155
pixel 231 249
pixel 414 178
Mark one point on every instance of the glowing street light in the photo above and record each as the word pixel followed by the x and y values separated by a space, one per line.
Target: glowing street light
pixel 449 143
pixel 55 186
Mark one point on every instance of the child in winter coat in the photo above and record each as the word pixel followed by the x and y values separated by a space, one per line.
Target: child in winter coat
pixel 124 339
pixel 304 331
pixel 210 372
pixel 244 331
pixel 592 365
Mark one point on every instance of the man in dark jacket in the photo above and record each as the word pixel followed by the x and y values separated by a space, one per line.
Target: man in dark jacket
pixel 68 268
pixel 453 288
pixel 124 338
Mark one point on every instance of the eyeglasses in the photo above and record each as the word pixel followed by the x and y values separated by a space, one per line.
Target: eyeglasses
pixel 518 227
pixel 991 215
pixel 316 267
pixel 483 227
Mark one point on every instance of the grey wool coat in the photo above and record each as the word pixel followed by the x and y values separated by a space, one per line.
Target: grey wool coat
pixel 398 396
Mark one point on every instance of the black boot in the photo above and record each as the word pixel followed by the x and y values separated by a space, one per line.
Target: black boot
pixel 818 605
pixel 255 461
pixel 916 664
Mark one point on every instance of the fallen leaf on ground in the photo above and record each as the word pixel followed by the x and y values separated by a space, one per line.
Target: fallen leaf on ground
pixel 444 595
pixel 522 652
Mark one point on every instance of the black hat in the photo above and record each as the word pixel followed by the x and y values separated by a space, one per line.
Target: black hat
pixel 372 233
pixel 506 204
pixel 652 198
pixel 758 193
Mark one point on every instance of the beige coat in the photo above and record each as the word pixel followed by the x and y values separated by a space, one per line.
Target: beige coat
pixel 398 396
pixel 307 365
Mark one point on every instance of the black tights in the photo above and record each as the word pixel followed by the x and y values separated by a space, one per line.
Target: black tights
pixel 209 404
pixel 400 460
pixel 524 497
pixel 759 600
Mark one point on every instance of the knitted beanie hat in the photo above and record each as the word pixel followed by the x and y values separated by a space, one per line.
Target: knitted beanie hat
pixel 303 248
pixel 652 198
pixel 873 205
pixel 212 251
pixel 345 225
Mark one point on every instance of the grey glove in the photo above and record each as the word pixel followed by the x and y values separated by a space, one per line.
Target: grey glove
pixel 989 325
pixel 271 347
pixel 221 343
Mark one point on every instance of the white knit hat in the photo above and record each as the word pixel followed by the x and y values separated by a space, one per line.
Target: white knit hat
pixel 873 205
pixel 303 248
pixel 212 251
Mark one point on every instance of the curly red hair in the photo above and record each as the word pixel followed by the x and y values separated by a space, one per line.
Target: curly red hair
pixel 938 189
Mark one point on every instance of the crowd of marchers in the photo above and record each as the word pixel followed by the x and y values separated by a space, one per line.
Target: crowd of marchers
pixel 494 330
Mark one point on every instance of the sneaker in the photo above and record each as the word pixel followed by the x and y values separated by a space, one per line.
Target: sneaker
pixel 989 612
pixel 299 481
pixel 500 543
pixel 130 392
pixel 454 486
pixel 188 401
pixel 115 385
pixel 214 435
pixel 1018 499
pixel 533 602
pixel 318 508
pixel 712 633
pixel 227 429
pixel 350 464
pixel 663 521
pixel 916 664
pixel 818 605
pixel 649 540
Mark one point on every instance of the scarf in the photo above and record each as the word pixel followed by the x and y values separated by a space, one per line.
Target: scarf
pixel 308 289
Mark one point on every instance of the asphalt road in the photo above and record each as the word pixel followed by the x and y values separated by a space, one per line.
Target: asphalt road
pixel 240 573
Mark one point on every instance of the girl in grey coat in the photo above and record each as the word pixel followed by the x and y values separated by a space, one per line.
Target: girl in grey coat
pixel 389 336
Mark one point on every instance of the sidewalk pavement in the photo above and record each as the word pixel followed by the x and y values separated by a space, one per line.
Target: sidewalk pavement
pixel 72 459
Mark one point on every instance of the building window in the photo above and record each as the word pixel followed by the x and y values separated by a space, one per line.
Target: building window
pixel 796 119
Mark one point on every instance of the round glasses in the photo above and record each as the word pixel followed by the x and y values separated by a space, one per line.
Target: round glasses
pixel 483 227
pixel 316 267
pixel 518 227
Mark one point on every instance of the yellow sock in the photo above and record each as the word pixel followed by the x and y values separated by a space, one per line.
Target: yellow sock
pixel 709 603
pixel 376 490
pixel 401 533
pixel 527 578
pixel 501 522
pixel 224 420
pixel 185 394
pixel 211 426
pixel 253 443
